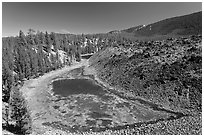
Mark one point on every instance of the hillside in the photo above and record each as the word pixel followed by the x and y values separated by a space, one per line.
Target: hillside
pixel 165 72
pixel 186 25
pixel 182 25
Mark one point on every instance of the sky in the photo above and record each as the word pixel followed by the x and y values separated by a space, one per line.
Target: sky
pixel 78 18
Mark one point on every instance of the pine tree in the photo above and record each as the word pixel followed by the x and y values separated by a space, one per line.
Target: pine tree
pixel 41 38
pixel 34 62
pixel 20 113
pixel 40 57
pixel 53 61
pixel 24 62
pixel 36 37
pixel 47 63
pixel 31 37
pixel 7 78
pixel 58 63
pixel 7 67
pixel 22 40
pixel 27 65
pixel 55 41
pixel 78 53
pixel 19 62
pixel 64 43
pixel 47 42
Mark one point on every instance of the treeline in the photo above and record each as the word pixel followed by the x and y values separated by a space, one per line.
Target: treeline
pixel 29 56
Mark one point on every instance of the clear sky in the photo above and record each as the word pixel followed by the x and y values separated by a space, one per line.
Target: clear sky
pixel 87 17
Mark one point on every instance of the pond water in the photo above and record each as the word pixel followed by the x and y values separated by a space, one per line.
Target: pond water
pixel 68 87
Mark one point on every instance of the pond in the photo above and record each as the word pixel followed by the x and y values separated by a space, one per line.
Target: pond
pixel 89 105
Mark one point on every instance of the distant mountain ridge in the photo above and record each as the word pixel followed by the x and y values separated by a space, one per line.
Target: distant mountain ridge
pixel 190 24
pixel 181 25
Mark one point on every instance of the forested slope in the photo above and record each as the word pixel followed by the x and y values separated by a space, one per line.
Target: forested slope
pixel 25 57
pixel 30 56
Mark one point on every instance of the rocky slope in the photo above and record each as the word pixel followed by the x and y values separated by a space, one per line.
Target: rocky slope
pixel 165 72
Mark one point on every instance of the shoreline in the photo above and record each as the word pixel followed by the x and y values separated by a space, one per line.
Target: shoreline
pixel 38 94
